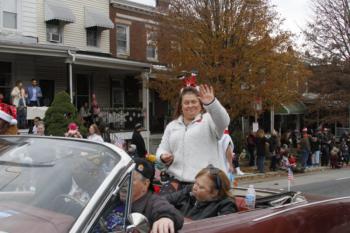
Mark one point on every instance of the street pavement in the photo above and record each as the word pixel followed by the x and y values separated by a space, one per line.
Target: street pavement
pixel 326 182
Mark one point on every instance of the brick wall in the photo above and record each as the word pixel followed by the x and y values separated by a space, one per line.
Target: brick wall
pixel 138 24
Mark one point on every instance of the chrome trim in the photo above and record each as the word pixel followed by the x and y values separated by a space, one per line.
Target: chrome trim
pixel 300 206
pixel 125 161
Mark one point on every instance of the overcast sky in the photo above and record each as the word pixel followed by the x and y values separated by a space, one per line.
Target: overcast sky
pixel 295 12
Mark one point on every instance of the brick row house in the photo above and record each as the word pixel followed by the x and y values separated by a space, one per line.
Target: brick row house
pixel 101 47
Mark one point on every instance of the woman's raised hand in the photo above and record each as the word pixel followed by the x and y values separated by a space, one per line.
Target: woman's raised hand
pixel 206 94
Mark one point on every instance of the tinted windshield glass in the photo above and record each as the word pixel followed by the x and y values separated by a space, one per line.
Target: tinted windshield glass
pixel 45 183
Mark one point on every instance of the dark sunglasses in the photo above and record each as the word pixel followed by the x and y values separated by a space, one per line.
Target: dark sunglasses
pixel 215 172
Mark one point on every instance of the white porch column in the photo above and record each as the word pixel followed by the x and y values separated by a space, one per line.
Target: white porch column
pixel 145 106
pixel 70 82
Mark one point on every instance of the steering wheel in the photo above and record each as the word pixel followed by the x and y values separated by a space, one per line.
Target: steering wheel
pixel 72 207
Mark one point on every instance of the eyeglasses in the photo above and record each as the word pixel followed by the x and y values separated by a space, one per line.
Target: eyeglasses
pixel 215 172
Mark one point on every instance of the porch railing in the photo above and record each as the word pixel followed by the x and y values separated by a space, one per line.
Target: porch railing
pixel 122 119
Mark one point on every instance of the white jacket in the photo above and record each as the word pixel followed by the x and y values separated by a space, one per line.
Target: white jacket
pixel 195 146
pixel 224 142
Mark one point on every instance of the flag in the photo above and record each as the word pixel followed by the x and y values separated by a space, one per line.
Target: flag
pixel 290 175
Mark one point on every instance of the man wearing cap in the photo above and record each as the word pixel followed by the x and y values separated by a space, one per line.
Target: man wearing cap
pixel 163 216
pixel 8 122
pixel 138 141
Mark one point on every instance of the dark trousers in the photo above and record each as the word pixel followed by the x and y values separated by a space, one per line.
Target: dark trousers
pixel 235 161
pixel 260 163
pixel 34 103
pixel 325 156
pixel 273 165
pixel 251 156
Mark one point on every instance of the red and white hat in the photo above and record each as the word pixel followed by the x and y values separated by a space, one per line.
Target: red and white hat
pixel 8 113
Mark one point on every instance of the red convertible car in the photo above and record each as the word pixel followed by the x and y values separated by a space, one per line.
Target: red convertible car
pixel 60 185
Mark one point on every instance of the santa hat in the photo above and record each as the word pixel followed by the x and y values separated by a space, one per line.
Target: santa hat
pixel 8 113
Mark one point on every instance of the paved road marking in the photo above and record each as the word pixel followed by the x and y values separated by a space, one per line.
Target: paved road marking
pixel 344 178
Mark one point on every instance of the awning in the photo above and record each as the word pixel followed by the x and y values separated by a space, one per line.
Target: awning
pixel 56 10
pixel 94 18
pixel 294 108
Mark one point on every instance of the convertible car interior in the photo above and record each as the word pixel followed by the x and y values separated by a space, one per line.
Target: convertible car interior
pixel 267 199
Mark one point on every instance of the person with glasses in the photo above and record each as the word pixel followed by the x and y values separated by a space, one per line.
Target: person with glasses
pixel 208 197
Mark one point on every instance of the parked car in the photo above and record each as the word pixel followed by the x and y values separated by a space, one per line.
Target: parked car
pixel 59 185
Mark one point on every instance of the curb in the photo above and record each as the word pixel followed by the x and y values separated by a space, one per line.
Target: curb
pixel 258 176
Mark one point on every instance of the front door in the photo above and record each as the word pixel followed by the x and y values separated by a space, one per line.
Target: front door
pixel 82 89
pixel 48 90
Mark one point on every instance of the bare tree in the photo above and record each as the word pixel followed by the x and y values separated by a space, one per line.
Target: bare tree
pixel 328 35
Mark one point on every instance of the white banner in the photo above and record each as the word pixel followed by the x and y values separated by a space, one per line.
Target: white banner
pixel 33 112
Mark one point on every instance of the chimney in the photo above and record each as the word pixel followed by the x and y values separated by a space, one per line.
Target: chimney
pixel 162 4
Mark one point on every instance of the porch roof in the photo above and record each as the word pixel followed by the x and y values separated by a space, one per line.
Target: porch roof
pixel 56 10
pixel 294 108
pixel 35 49
pixel 109 62
pixel 78 59
pixel 95 18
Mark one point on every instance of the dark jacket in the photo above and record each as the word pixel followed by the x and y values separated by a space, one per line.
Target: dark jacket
pixel 140 144
pixel 261 146
pixel 155 207
pixel 190 208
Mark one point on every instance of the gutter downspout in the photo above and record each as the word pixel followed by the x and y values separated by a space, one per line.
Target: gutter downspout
pixel 71 75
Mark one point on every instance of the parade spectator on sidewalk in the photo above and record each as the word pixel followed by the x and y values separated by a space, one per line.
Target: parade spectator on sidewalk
pixel 226 148
pixel 262 147
pixel 226 151
pixel 251 148
pixel 208 197
pixel 40 129
pixel 34 94
pixel 84 113
pixel 16 93
pixel 305 148
pixel 33 130
pixel 8 122
pixel 315 149
pixel 275 144
pixel 138 141
pixel 345 151
pixel 94 134
pixel 19 100
pixel 326 146
pixel 190 142
pixel 73 131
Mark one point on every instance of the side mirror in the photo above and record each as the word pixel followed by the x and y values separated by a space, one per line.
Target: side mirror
pixel 138 223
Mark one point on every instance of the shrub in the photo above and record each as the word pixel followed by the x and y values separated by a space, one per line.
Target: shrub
pixel 60 114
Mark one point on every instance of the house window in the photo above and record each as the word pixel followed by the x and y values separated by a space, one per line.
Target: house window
pixel 54 31
pixel 9 14
pixel 122 39
pixel 151 46
pixel 92 37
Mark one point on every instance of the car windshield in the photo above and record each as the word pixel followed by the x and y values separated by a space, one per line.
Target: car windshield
pixel 45 183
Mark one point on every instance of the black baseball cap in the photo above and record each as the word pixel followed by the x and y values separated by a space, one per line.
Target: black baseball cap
pixel 145 168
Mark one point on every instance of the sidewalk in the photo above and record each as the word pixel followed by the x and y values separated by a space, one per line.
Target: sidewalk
pixel 251 173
